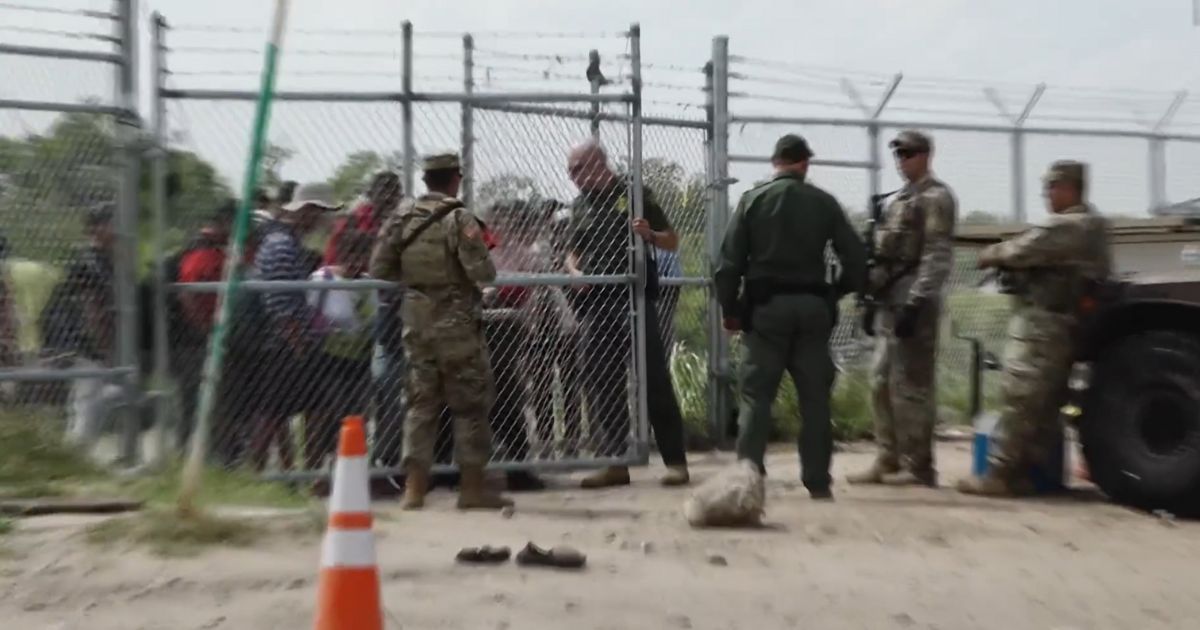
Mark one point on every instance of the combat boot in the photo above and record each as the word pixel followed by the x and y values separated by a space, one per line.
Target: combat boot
pixel 416 484
pixel 473 493
pixel 611 476
pixel 676 476
pixel 873 475
pixel 991 485
pixel 926 477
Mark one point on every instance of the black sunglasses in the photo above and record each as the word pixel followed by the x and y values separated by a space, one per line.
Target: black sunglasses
pixel 904 154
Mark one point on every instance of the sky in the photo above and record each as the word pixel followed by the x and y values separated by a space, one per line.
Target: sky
pixel 1106 63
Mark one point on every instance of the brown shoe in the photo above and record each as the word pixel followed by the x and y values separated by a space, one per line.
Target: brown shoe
pixel 611 476
pixel 910 478
pixel 676 476
pixel 992 486
pixel 873 475
pixel 473 493
pixel 416 484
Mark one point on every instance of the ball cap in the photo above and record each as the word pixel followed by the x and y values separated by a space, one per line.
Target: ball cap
pixel 791 148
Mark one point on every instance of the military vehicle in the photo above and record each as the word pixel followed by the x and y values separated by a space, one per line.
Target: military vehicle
pixel 1139 391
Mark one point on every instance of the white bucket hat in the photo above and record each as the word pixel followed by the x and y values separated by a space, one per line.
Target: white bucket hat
pixel 317 194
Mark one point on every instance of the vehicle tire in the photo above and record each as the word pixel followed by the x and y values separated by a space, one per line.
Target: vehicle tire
pixel 1140 429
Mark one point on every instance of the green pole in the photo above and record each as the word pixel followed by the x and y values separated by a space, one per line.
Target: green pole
pixel 198 449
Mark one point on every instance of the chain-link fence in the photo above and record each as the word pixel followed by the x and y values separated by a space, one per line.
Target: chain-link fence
pixel 356 110
pixel 69 146
pixel 565 341
pixel 992 143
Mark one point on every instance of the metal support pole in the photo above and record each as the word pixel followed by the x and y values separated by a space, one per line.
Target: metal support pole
pixel 640 305
pixel 1018 154
pixel 406 110
pixel 721 377
pixel 467 194
pixel 161 281
pixel 125 251
pixel 594 55
pixel 873 146
pixel 1158 153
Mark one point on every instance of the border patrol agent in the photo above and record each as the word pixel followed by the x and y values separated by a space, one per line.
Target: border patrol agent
pixel 775 246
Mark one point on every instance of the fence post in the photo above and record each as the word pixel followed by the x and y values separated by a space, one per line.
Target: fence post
pixel 162 403
pixel 1018 155
pixel 468 124
pixel 406 111
pixel 720 369
pixel 1158 153
pixel 125 253
pixel 640 304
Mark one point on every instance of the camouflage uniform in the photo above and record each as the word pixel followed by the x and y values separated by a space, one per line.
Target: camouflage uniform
pixel 1052 266
pixel 914 254
pixel 442 316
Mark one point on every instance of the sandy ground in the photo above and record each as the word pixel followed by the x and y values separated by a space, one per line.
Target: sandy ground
pixel 876 558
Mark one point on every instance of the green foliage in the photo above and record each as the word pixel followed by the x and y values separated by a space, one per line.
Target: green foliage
pixel 354 174
pixel 507 187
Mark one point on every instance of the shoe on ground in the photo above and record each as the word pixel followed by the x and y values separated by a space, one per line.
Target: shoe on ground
pixel 926 478
pixel 873 475
pixel 676 476
pixel 607 478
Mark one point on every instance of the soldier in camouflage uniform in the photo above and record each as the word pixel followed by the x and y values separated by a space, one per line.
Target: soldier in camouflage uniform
pixel 442 315
pixel 1051 268
pixel 914 254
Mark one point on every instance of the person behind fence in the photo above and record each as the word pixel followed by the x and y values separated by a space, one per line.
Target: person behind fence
pixel 1050 270
pixel 774 249
pixel 599 245
pixel 285 382
pixel 343 384
pixel 914 255
pixel 79 320
pixel 435 248
pixel 190 314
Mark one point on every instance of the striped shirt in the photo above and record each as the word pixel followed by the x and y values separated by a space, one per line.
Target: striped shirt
pixel 281 257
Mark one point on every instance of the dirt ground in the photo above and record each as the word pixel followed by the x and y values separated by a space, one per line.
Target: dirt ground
pixel 876 558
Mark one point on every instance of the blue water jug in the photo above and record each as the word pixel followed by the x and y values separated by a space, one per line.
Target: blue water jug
pixel 1047 478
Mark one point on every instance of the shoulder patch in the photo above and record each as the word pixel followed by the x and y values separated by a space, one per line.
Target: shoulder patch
pixel 471 231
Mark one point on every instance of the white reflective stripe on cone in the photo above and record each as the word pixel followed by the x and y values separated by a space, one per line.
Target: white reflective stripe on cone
pixel 351 486
pixel 353 549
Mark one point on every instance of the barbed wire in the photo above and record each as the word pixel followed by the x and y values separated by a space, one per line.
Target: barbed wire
pixel 17 6
pixel 30 30
pixel 560 58
pixel 218 28
pixel 209 50
pixel 524 34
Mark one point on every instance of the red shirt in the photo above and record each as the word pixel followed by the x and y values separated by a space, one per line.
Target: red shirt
pixel 362 218
pixel 204 264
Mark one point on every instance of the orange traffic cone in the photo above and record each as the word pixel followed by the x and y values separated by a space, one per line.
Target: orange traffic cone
pixel 348 591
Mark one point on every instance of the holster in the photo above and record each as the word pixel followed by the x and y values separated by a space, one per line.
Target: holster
pixel 759 291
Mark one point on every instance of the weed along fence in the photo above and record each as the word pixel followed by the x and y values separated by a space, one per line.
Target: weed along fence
pixel 353 103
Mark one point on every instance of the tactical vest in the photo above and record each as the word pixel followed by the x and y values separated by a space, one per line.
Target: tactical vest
pixel 901 238
pixel 1060 288
pixel 432 259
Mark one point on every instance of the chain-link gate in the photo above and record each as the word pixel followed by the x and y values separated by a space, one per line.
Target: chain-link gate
pixel 567 348
pixel 70 150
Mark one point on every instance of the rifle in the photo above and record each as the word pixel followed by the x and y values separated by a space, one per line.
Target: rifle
pixel 868 299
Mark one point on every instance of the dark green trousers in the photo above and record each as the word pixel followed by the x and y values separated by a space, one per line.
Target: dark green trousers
pixel 790 334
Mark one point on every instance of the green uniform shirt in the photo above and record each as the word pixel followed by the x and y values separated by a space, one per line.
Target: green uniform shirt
pixel 600 228
pixel 779 231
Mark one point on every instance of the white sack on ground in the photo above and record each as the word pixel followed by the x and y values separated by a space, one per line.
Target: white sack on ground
pixel 736 497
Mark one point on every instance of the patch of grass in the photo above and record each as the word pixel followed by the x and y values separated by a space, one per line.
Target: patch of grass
pixel 167 533
pixel 6 525
pixel 218 487
pixel 34 461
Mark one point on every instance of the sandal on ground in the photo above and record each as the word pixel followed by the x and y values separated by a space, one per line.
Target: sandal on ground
pixel 561 557
pixel 484 555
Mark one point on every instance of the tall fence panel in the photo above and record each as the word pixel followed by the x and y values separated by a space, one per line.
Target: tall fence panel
pixel 69 155
pixel 567 350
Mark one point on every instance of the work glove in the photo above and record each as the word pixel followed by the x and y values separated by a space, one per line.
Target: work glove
pixel 906 320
